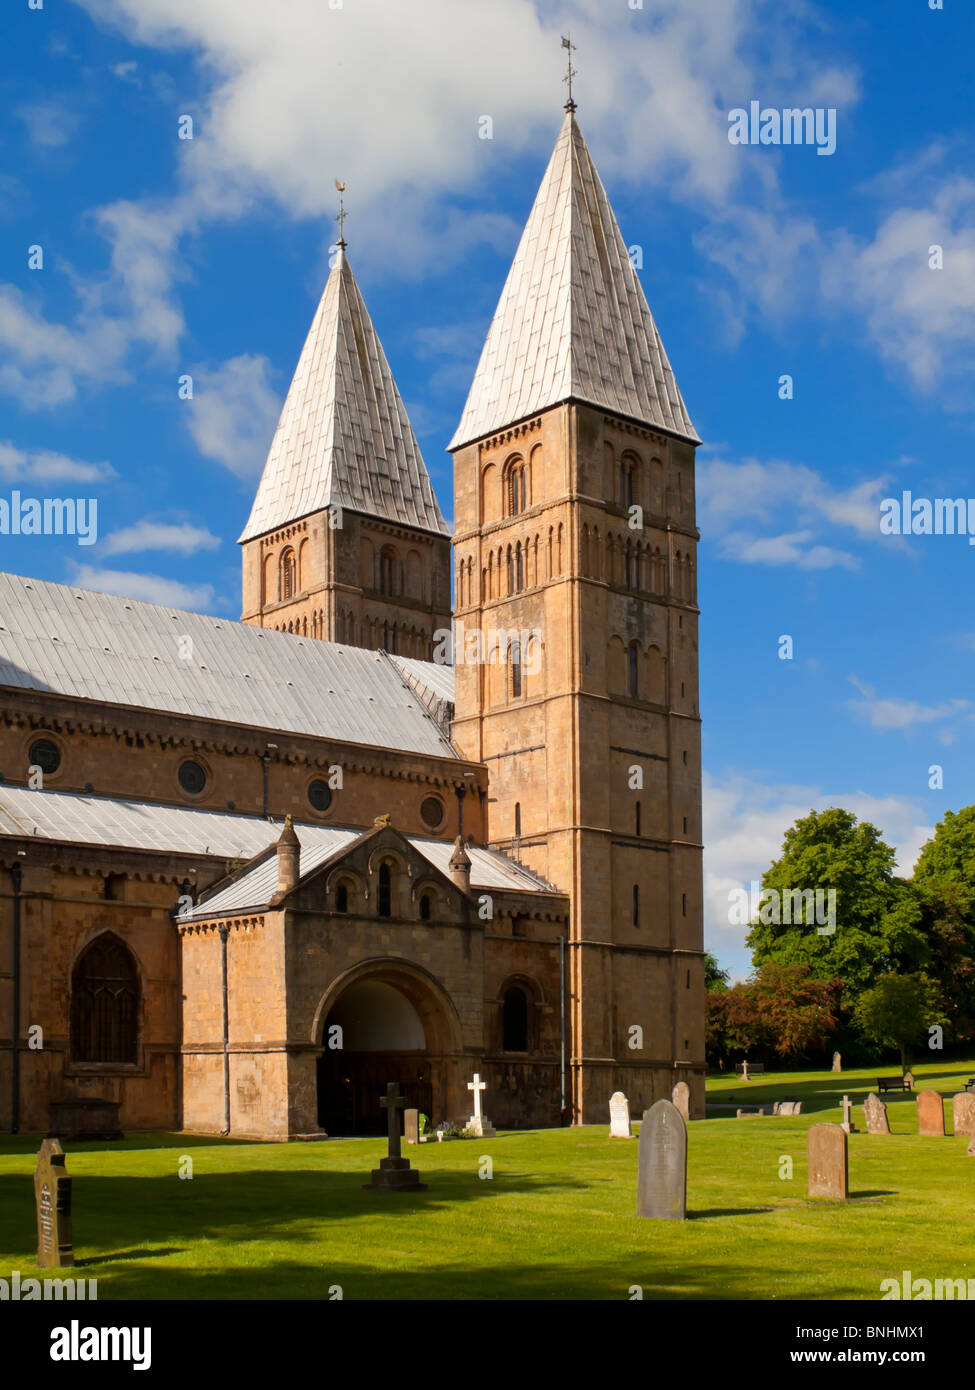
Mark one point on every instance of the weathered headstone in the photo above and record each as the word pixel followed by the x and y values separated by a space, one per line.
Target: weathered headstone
pixel 837 1062
pixel 411 1126
pixel 394 1173
pixel 681 1097
pixel 875 1115
pixel 744 1071
pixel 662 1163
pixel 963 1112
pixel 930 1114
pixel 848 1124
pixel 828 1164
pixel 52 1192
pixel 478 1124
pixel 619 1116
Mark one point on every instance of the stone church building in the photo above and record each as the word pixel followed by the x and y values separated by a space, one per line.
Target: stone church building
pixel 413 816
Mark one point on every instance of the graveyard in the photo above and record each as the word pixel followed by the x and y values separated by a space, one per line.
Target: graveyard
pixel 543 1214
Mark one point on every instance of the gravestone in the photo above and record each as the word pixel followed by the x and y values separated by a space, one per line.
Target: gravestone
pixel 661 1190
pixel 828 1165
pixel 619 1116
pixel 394 1173
pixel 789 1108
pixel 411 1126
pixel 837 1062
pixel 52 1192
pixel 930 1114
pixel 848 1124
pixel 909 1078
pixel 875 1115
pixel 479 1125
pixel 744 1071
pixel 963 1112
pixel 681 1097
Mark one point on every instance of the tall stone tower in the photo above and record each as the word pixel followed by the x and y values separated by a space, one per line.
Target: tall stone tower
pixel 345 540
pixel 575 529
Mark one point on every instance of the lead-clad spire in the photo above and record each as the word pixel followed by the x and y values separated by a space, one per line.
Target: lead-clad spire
pixel 572 321
pixel 344 437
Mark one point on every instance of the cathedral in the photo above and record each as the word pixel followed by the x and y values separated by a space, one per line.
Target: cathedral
pixel 433 806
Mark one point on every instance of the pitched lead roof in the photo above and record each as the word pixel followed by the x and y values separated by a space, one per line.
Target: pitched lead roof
pixel 72 818
pixel 572 321
pixel 344 437
pixel 70 641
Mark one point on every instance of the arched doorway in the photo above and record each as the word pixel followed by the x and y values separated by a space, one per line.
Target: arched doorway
pixel 394 1027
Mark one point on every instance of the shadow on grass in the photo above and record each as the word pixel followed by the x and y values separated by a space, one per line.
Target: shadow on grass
pixel 239 1207
pixel 13 1144
pixel 728 1211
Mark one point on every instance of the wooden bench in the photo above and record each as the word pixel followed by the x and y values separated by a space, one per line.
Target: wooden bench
pixel 753 1067
pixel 891 1083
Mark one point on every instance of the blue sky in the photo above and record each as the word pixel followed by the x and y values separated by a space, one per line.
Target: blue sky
pixel 164 256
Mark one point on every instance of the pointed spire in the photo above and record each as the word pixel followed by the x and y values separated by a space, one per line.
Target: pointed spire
pixel 344 437
pixel 572 321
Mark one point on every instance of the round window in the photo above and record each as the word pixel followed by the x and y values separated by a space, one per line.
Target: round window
pixel 319 795
pixel 432 812
pixel 45 754
pixel 192 778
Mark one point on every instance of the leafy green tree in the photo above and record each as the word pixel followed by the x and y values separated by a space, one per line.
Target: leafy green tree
pixel 714 976
pixel 898 1010
pixel 944 880
pixel 948 859
pixel 877 915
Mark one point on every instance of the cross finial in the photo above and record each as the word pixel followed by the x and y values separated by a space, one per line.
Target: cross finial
pixel 567 43
pixel 342 215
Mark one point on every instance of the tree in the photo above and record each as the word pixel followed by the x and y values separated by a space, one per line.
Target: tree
pixel 898 1009
pixel 948 858
pixel 782 1009
pixel 944 880
pixel 714 976
pixel 797 1011
pixel 876 926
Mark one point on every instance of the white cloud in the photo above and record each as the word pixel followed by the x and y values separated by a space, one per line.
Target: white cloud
pixel 233 413
pixel 48 466
pixel 152 588
pixel 745 506
pixel 919 318
pixel 156 535
pixel 892 712
pixel 48 123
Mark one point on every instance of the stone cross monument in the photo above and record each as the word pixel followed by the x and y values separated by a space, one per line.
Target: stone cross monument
pixel 394 1173
pixel 479 1124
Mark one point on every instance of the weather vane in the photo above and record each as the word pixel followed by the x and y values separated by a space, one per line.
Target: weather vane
pixel 342 214
pixel 567 43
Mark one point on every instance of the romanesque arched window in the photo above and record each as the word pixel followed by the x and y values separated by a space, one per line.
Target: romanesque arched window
pixel 105 1003
pixel 387 566
pixel 514 1020
pixel 286 574
pixel 384 900
pixel 425 906
pixel 514 666
pixel 633 671
pixel 515 491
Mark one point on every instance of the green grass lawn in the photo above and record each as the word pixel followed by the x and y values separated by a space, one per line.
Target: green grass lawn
pixel 556 1220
